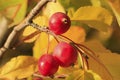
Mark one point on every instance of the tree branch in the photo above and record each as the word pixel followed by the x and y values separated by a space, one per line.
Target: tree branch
pixel 22 25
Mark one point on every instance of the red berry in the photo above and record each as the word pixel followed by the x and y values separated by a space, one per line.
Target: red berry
pixel 65 54
pixel 47 65
pixel 59 23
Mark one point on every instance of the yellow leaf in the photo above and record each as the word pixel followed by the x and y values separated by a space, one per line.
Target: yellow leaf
pixel 41 43
pixel 115 5
pixel 112 61
pixel 96 2
pixel 9 54
pixel 90 75
pixel 18 68
pixel 41 21
pixel 76 75
pixel 52 7
pixel 67 70
pixel 96 17
pixel 83 75
pixel 27 31
pixel 98 65
pixel 76 33
pixel 70 12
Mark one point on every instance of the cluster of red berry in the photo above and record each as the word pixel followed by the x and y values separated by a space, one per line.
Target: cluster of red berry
pixel 64 54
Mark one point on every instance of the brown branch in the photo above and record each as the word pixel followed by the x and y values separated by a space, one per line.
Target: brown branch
pixel 45 29
pixel 22 25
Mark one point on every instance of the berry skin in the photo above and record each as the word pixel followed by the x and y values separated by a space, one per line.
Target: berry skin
pixel 59 23
pixel 65 54
pixel 47 65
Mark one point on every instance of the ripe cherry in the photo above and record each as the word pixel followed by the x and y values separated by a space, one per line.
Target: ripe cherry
pixel 47 65
pixel 65 54
pixel 59 23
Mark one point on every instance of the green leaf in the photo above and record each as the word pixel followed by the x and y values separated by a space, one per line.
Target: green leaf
pixel 74 3
pixel 76 75
pixel 98 17
pixel 18 68
pixel 71 12
pixel 90 75
pixel 14 9
pixel 96 2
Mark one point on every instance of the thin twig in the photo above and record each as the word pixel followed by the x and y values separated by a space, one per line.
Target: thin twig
pixel 22 25
pixel 84 64
pixel 48 44
pixel 45 29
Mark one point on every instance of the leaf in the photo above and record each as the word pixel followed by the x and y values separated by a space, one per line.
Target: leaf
pixel 41 20
pixel 89 75
pixel 8 55
pixel 83 75
pixel 18 68
pixel 98 67
pixel 67 70
pixel 31 32
pixel 15 10
pixel 76 75
pixel 70 12
pixel 51 8
pixel 98 18
pixel 109 59
pixel 75 4
pixel 26 32
pixel 115 5
pixel 40 46
pixel 79 34
pixel 41 43
pixel 95 2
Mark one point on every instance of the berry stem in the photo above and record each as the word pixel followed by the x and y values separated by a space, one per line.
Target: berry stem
pixel 86 48
pixel 86 62
pixel 56 39
pixel 48 44
pixel 85 65
pixel 79 45
pixel 67 38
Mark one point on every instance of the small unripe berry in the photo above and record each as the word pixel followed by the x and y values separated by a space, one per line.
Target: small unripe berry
pixel 47 65
pixel 59 23
pixel 65 54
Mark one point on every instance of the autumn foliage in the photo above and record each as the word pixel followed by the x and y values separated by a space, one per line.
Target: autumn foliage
pixel 94 33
